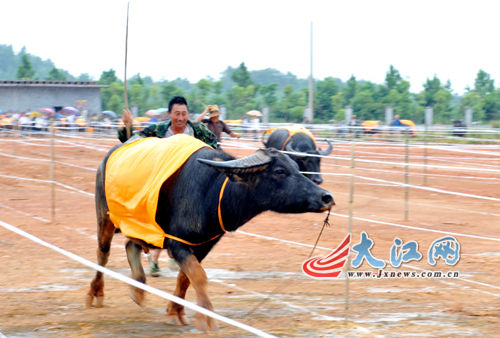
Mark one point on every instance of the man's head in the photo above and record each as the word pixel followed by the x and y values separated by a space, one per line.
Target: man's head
pixel 396 117
pixel 213 112
pixel 178 113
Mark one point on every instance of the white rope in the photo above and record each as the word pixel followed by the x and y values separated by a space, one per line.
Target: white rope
pixel 419 229
pixel 135 283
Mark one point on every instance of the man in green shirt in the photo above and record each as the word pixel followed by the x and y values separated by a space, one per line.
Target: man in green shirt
pixel 179 123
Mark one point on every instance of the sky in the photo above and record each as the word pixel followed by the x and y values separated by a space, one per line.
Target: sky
pixel 196 39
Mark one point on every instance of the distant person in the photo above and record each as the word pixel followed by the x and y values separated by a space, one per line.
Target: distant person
pixel 24 123
pixel 213 122
pixel 354 126
pixel 396 122
pixel 255 122
pixel 244 124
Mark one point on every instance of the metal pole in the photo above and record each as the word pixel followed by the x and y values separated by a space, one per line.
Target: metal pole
pixel 349 228
pixel 407 142
pixel 52 172
pixel 125 72
pixel 311 86
pixel 425 156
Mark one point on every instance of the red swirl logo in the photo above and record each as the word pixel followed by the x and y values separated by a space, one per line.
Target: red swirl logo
pixel 329 266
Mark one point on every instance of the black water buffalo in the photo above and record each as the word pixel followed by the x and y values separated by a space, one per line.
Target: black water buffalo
pixel 300 143
pixel 191 207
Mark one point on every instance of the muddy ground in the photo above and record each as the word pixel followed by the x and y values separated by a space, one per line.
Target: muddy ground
pixel 254 279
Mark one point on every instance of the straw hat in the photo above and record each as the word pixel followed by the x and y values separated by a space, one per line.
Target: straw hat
pixel 213 110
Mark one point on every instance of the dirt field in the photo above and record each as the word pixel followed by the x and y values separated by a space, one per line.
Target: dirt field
pixel 254 279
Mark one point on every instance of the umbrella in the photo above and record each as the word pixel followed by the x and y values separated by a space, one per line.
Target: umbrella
pixel 151 112
pixel 161 110
pixel 48 111
pixel 254 113
pixel 110 113
pixel 71 110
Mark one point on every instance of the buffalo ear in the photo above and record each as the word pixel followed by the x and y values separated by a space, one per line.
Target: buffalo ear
pixel 241 169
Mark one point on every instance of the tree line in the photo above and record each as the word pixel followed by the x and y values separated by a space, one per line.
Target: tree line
pixel 286 96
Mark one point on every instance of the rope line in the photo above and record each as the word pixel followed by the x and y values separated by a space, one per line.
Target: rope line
pixel 135 283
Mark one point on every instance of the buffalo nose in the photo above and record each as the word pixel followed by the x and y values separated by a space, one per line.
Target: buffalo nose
pixel 328 199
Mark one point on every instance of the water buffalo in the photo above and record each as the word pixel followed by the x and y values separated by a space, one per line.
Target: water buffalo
pixel 212 192
pixel 300 141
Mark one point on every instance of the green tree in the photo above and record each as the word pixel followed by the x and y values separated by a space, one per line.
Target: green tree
pixel 292 105
pixel 485 88
pixel 364 103
pixel 240 100
pixel 349 91
pixel 324 91
pixel 115 103
pixel 154 97
pixel 241 76
pixel 268 93
pixel 56 75
pixel 168 91
pixel 136 96
pixel 84 77
pixel 108 77
pixel 115 89
pixel 438 97
pixel 396 93
pixel 204 87
pixel 25 71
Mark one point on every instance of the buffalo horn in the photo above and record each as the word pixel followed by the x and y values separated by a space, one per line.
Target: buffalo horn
pixel 327 151
pixel 289 147
pixel 256 162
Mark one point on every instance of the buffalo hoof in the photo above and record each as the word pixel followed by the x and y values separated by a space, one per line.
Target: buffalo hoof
pixel 177 319
pixel 137 295
pixel 89 299
pixel 175 314
pixel 205 323
pixel 99 301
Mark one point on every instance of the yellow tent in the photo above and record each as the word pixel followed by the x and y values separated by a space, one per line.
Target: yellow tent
pixel 370 125
pixel 410 124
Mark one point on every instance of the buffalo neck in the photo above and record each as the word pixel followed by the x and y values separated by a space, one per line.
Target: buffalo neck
pixel 238 204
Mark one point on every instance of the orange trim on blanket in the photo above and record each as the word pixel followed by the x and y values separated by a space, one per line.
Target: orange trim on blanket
pixel 292 130
pixel 218 206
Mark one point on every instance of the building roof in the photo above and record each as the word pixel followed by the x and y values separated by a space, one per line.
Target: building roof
pixel 66 84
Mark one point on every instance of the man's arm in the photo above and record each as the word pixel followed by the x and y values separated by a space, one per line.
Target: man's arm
pixel 202 115
pixel 128 119
pixel 228 131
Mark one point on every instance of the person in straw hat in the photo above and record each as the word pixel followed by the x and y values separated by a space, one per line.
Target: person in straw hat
pixel 213 122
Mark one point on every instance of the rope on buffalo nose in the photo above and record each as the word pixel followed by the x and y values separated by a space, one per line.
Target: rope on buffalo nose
pixel 325 223
pixel 286 283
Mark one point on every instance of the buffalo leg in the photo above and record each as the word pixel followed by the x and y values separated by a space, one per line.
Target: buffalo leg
pixel 175 312
pixel 198 278
pixel 105 234
pixel 134 251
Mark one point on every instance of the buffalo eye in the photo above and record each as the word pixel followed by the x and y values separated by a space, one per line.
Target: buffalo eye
pixel 280 172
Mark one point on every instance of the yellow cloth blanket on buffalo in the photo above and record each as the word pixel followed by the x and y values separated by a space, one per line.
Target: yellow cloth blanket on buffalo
pixel 292 130
pixel 135 173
